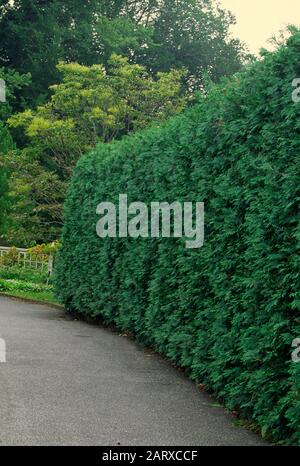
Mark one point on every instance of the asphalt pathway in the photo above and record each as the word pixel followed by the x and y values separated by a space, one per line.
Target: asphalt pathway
pixel 66 382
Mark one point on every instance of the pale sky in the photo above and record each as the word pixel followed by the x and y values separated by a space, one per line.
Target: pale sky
pixel 258 20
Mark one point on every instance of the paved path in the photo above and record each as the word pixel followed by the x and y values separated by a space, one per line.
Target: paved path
pixel 69 383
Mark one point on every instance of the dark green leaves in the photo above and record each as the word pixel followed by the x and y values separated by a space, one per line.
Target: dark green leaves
pixel 228 312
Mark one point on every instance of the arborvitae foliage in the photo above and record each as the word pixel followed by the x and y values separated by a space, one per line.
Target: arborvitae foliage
pixel 227 312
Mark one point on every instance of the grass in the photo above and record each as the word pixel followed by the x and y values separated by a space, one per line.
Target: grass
pixel 28 284
pixel 20 273
pixel 46 297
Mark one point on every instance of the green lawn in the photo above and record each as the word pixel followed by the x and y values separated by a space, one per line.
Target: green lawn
pixel 43 297
pixel 28 284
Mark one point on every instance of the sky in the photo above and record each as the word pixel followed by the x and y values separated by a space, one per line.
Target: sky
pixel 258 20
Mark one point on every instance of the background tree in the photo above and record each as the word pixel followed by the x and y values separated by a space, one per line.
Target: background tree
pixel 90 105
pixel 97 104
pixel 115 59
pixel 37 195
pixel 195 34
pixel 14 83
pixel 3 199
pixel 36 34
pixel 159 34
pixel 31 41
pixel 5 144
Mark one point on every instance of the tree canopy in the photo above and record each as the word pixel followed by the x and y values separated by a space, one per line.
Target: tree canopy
pixel 98 104
pixel 79 73
pixel 89 105
pixel 159 34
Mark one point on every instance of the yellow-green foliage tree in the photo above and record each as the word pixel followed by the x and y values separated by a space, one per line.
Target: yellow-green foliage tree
pixel 90 105
pixel 97 104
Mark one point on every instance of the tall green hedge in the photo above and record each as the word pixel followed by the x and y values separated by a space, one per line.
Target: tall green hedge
pixel 227 312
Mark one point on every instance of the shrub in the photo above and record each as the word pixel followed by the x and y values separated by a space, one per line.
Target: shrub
pixel 18 272
pixel 20 285
pixel 45 249
pixel 227 312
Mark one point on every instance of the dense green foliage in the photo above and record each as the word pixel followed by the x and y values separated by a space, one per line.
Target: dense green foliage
pixel 91 104
pixel 227 312
pixel 25 280
pixel 3 198
pixel 5 144
pixel 160 34
pixel 19 273
pixel 20 285
pixel 97 103
pixel 14 83
pixel 194 34
pixel 79 73
pixel 23 288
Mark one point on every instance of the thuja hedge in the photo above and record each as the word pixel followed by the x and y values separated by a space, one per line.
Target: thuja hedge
pixel 227 312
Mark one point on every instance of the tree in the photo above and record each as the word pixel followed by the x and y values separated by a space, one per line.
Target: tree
pixel 30 41
pixel 14 84
pixel 3 199
pixel 36 34
pixel 195 34
pixel 37 196
pixel 122 36
pixel 90 105
pixel 5 144
pixel 158 34
pixel 97 104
